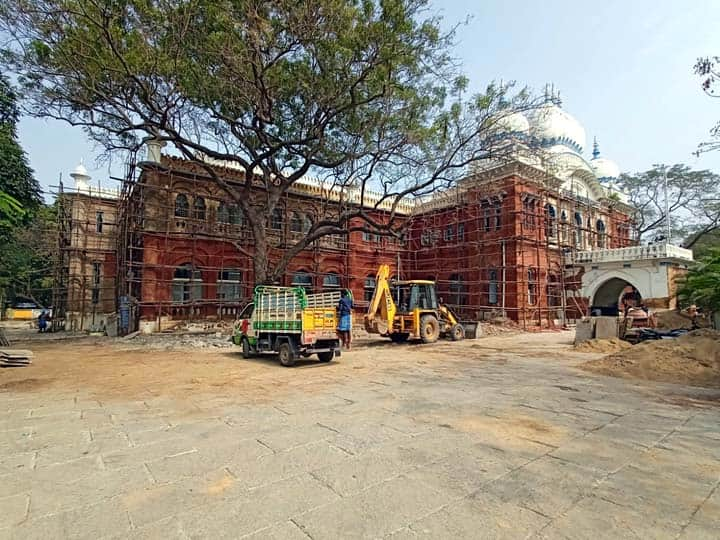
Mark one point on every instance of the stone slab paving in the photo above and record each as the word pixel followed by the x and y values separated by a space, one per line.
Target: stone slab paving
pixel 512 446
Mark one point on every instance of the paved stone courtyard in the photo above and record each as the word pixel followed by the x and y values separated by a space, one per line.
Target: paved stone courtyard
pixel 493 438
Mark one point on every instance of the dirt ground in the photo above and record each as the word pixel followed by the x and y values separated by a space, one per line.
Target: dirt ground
pixel 693 359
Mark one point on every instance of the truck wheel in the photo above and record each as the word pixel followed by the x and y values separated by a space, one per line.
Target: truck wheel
pixel 429 329
pixel 287 355
pixel 246 352
pixel 399 337
pixel 325 356
pixel 457 332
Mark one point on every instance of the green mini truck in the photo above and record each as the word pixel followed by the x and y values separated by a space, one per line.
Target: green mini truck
pixel 290 323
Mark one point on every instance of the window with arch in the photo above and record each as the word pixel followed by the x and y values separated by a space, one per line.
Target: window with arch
pixel 492 286
pixel 229 284
pixel 461 232
pixel 563 226
pixel 529 212
pixel 498 214
pixel 295 222
pixel 223 213
pixel 307 223
pixel 276 219
pixel 600 227
pixel 578 232
pixel 551 221
pixel 182 206
pixel 532 286
pixel 199 208
pixel 487 218
pixel 369 288
pixel 457 290
pixel 186 284
pixel 301 278
pixel 331 281
pixel 99 222
pixel 235 215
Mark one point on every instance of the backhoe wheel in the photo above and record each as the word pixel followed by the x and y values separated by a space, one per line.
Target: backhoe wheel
pixel 429 329
pixel 399 337
pixel 287 355
pixel 325 356
pixel 457 332
pixel 246 351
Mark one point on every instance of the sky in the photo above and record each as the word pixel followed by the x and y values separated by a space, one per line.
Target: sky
pixel 624 70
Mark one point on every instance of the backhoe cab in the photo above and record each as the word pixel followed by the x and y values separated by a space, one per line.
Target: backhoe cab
pixel 409 309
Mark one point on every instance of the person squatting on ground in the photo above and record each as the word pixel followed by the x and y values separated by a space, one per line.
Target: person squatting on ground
pixel 344 310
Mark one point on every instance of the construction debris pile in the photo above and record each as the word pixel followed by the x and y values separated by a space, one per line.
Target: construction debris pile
pixel 692 359
pixel 166 342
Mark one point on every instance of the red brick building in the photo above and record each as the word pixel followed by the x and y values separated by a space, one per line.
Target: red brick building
pixel 500 243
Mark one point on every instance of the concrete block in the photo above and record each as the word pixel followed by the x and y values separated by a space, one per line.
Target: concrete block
pixel 606 327
pixel 584 330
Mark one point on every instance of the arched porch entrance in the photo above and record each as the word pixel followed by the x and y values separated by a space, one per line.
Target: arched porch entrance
pixel 609 296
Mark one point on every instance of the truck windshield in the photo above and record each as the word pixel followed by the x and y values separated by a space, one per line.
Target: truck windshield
pixel 247 312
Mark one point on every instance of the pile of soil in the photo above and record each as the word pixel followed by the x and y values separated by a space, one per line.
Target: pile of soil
pixel 671 319
pixel 692 359
pixel 605 346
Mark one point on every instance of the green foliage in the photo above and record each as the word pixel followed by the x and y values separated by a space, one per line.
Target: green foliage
pixel 360 92
pixel 27 255
pixel 11 211
pixel 702 284
pixel 16 176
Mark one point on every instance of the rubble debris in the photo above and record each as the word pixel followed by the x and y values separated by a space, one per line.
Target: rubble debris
pixel 692 359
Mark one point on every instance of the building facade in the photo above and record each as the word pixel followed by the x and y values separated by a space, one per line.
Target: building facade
pixel 503 242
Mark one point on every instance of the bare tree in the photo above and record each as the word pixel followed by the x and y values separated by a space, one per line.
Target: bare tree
pixel 693 202
pixel 707 69
pixel 362 95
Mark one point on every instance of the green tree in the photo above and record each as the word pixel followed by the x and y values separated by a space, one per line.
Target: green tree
pixel 16 177
pixel 701 286
pixel 361 94
pixel 693 202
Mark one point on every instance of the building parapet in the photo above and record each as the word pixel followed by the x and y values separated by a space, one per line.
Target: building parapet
pixel 634 253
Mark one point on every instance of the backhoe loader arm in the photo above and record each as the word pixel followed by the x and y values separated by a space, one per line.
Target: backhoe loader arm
pixel 381 311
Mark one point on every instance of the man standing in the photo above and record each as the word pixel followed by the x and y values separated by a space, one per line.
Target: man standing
pixel 344 311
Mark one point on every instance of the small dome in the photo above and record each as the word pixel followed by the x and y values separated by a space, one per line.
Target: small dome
pixel 552 125
pixel 514 123
pixel 80 171
pixel 605 168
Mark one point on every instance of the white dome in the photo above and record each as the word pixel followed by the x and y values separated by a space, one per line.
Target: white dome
pixel 80 171
pixel 605 168
pixel 514 122
pixel 553 125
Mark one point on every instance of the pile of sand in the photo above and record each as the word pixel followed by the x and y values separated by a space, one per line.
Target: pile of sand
pixel 692 359
pixel 605 346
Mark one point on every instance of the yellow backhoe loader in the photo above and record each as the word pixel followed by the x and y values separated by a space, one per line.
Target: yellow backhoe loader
pixel 409 309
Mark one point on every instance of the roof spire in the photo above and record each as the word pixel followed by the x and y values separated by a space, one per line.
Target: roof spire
pixel 596 149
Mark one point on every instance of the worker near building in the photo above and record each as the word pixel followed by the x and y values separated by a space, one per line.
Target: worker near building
pixel 43 320
pixel 344 311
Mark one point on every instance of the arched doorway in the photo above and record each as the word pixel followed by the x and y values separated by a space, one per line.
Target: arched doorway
pixel 609 296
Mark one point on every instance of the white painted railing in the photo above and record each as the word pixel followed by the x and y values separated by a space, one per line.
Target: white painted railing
pixel 634 253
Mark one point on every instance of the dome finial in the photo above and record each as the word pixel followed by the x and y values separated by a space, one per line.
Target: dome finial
pixel 596 149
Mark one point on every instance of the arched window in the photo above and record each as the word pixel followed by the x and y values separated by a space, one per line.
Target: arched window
pixel 229 284
pixel 235 215
pixel 498 215
pixel 186 284
pixel 199 208
pixel 369 288
pixel 301 278
pixel 295 222
pixel 532 286
pixel 551 223
pixel 307 223
pixel 276 220
pixel 182 207
pixel 578 233
pixel 457 290
pixel 493 286
pixel 331 281
pixel 223 213
pixel 600 226
pixel 487 220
